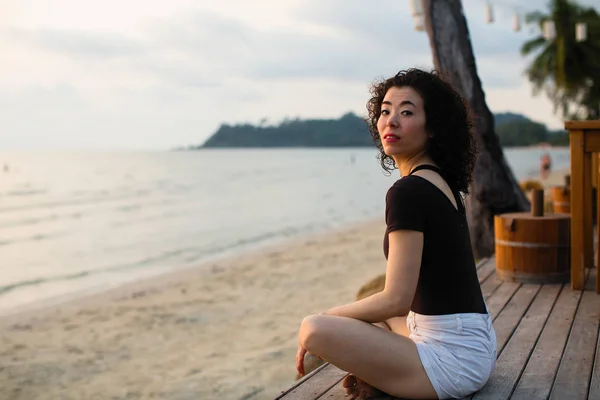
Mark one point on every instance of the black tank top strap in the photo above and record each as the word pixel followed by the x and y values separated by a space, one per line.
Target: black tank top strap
pixel 457 197
pixel 459 201
pixel 426 166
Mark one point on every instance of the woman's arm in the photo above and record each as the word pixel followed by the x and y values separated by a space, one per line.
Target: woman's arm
pixel 402 275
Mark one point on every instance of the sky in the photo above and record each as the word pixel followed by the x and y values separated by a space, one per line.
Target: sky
pixel 155 74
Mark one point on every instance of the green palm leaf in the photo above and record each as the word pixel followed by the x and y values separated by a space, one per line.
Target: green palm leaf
pixel 568 71
pixel 532 45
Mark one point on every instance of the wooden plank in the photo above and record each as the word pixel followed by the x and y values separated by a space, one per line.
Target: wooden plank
pixel 588 221
pixel 579 125
pixel 595 382
pixel 513 359
pixel 486 269
pixel 498 299
pixel 338 393
pixel 507 321
pixel 300 381
pixel 487 279
pixel 597 158
pixel 574 373
pixel 592 141
pixel 314 384
pixel 482 261
pixel 595 169
pixel 577 225
pixel 489 287
pixel 594 392
pixel 536 381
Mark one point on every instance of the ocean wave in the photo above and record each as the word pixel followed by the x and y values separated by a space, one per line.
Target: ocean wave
pixel 22 193
pixel 184 255
pixel 33 238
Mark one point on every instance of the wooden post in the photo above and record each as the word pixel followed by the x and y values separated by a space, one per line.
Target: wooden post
pixel 584 145
pixel 537 204
pixel 577 225
pixel 588 214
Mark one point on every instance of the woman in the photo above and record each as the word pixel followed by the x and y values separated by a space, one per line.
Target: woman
pixel 545 165
pixel 428 334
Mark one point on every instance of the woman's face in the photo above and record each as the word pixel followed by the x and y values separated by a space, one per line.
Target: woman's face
pixel 401 124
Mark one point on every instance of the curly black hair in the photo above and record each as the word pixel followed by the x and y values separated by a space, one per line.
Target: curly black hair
pixel 452 145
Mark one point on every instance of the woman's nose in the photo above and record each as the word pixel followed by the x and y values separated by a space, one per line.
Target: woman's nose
pixel 393 120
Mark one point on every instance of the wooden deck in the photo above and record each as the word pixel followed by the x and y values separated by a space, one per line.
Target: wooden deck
pixel 548 344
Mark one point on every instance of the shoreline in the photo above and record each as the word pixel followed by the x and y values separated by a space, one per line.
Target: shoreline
pixel 139 283
pixel 91 297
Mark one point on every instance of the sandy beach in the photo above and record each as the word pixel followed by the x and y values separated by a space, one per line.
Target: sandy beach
pixel 230 333
pixel 555 178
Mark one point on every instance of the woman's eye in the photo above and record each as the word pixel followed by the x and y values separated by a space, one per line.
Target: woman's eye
pixel 406 112
pixel 385 112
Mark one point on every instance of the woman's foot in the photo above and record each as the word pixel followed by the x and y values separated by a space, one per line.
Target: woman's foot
pixel 357 389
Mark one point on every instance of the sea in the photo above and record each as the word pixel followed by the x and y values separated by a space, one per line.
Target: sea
pixel 75 223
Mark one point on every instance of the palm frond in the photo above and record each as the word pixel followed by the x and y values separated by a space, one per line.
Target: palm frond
pixel 567 71
pixel 532 45
pixel 535 16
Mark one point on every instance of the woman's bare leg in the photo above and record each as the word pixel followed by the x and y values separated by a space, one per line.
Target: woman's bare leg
pixel 398 325
pixel 384 359
pixel 356 387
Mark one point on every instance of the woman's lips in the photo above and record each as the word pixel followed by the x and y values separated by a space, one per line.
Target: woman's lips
pixel 390 138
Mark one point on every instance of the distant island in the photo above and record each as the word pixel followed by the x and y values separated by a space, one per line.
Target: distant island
pixel 350 130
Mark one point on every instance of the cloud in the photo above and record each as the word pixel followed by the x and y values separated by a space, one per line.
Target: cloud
pixel 385 24
pixel 204 48
pixel 98 46
pixel 342 40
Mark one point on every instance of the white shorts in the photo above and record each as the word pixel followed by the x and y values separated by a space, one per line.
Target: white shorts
pixel 458 351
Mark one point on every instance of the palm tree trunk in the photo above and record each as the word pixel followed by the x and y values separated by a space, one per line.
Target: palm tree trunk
pixel 494 189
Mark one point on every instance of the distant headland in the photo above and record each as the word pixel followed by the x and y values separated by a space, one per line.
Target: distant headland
pixel 350 130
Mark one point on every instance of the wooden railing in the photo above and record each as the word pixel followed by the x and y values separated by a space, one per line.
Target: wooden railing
pixel 584 142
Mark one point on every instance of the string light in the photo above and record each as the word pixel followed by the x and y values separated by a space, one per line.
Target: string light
pixel 580 31
pixel 416 10
pixel 548 26
pixel 489 13
pixel 419 22
pixel 416 7
pixel 549 29
pixel 516 22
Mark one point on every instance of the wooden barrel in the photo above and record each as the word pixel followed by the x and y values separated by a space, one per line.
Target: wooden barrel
pixel 561 199
pixel 533 249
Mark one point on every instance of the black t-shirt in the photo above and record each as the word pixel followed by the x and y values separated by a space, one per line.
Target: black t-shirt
pixel 448 282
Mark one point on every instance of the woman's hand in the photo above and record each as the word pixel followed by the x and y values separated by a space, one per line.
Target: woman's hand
pixel 300 360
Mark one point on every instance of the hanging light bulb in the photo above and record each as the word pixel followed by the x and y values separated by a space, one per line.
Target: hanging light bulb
pixel 489 13
pixel 416 7
pixel 516 22
pixel 549 30
pixel 419 22
pixel 580 31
